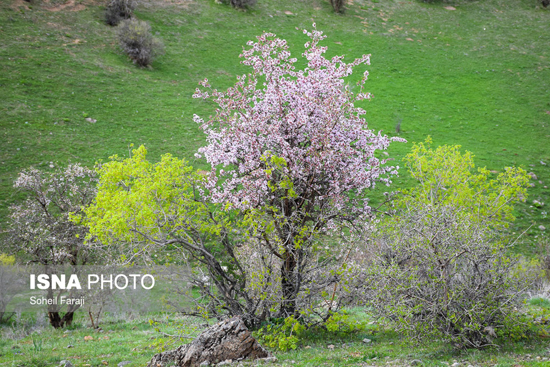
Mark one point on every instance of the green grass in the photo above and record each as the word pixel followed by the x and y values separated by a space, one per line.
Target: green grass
pixel 478 76
pixel 540 302
pixel 137 341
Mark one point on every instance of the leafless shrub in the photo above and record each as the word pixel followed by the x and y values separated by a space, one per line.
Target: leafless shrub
pixel 440 272
pixel 136 40
pixel 337 5
pixel 119 10
pixel 242 4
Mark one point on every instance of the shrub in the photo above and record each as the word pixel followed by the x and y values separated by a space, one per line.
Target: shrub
pixel 242 4
pixel 442 267
pixel 118 10
pixel 337 5
pixel 138 43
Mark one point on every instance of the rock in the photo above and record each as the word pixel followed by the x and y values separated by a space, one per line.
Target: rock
pixel 456 364
pixel 532 175
pixel 88 337
pixel 417 362
pixel 70 346
pixel 224 363
pixel 538 204
pixel 542 228
pixel 123 363
pixel 331 346
pixel 543 163
pixel 65 363
pixel 227 340
pixel 91 120
pixel 367 341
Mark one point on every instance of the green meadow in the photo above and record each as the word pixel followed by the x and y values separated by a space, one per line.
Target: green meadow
pixel 477 76
pixel 472 73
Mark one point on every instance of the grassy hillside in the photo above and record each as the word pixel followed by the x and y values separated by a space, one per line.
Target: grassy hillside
pixel 474 73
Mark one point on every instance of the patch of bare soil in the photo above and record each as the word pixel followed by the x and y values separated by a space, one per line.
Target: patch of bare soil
pixel 165 3
pixel 54 5
pixel 69 6
pixel 16 4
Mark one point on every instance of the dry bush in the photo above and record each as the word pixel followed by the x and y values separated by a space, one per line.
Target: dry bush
pixel 137 41
pixel 119 10
pixel 439 272
pixel 337 5
pixel 242 4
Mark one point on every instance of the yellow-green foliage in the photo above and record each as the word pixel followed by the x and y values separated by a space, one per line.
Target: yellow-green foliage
pixel 448 177
pixel 340 322
pixel 7 260
pixel 135 195
pixel 283 336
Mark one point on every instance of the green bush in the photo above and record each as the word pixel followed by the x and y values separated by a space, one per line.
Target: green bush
pixel 282 336
pixel 138 43
pixel 341 323
pixel 118 10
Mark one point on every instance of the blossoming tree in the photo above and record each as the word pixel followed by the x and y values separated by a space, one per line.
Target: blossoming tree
pixel 290 149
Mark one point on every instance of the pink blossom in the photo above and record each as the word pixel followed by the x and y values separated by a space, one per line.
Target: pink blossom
pixel 306 117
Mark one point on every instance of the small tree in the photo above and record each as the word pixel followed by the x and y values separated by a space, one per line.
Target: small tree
pixel 296 156
pixel 442 267
pixel 40 230
pixel 270 233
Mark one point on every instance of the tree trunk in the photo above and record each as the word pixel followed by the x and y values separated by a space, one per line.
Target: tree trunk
pixel 67 319
pixel 58 322
pixel 288 286
pixel 55 319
